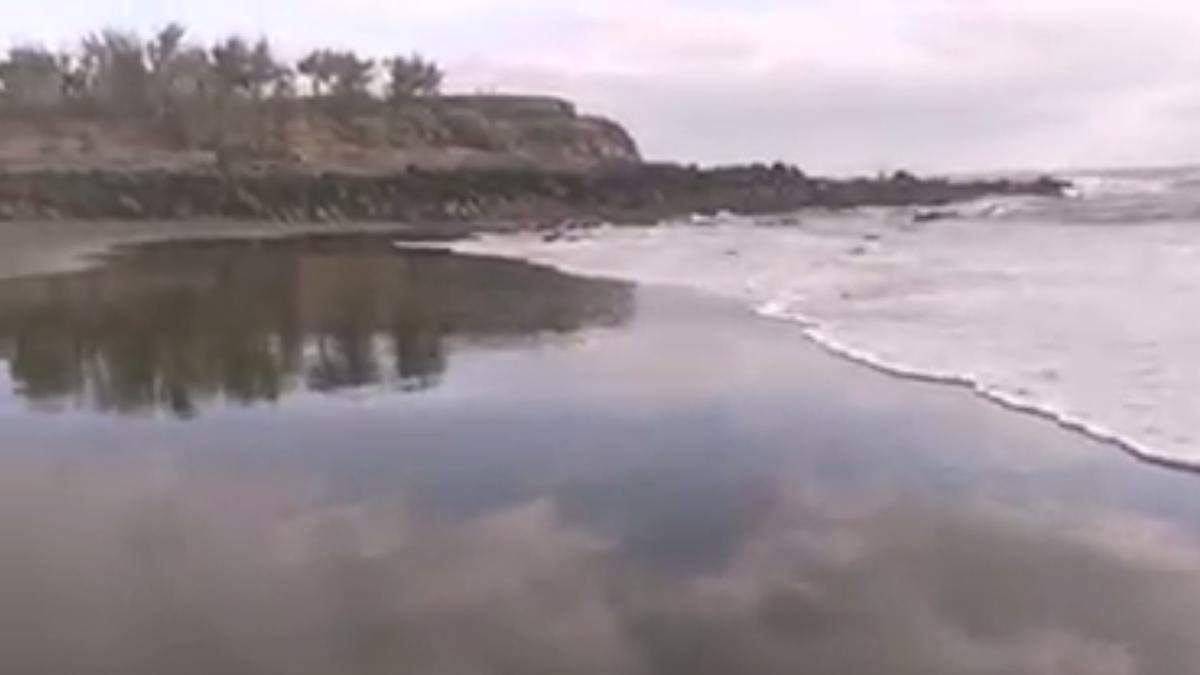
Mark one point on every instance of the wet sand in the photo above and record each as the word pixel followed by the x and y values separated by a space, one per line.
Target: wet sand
pixel 28 248
pixel 672 487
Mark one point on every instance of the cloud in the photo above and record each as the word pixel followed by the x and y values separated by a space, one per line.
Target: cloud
pixel 851 85
pixel 149 568
pixel 871 85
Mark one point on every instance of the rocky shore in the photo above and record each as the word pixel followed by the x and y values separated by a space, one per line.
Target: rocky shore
pixel 623 192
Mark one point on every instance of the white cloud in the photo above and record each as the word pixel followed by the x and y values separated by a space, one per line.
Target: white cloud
pixel 832 84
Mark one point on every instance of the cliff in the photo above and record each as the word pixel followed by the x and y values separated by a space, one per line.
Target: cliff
pixel 465 159
pixel 437 133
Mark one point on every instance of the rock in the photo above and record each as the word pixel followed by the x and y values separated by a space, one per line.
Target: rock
pixel 568 200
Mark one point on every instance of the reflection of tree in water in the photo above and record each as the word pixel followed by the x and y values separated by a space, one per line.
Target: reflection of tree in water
pixel 174 327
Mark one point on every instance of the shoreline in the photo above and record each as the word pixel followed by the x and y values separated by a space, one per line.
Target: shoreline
pixel 816 334
pixel 36 249
pixel 77 246
pixel 627 449
pixel 1089 430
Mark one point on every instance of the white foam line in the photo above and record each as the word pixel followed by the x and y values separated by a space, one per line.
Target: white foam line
pixel 813 331
pixel 825 337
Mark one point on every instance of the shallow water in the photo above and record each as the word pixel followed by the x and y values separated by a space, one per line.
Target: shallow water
pixel 334 457
pixel 1081 308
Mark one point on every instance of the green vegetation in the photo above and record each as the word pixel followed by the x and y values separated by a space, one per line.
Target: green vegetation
pixel 235 93
pixel 119 102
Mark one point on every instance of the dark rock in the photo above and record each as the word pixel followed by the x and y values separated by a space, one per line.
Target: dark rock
pixel 556 199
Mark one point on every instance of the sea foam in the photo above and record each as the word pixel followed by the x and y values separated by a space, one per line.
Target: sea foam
pixel 1092 325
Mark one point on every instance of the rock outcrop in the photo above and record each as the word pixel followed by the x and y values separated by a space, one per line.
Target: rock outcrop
pixel 465 159
pixel 624 192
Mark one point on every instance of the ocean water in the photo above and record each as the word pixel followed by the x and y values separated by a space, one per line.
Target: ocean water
pixel 1082 308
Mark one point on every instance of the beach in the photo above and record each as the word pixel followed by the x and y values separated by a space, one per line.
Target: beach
pixel 28 248
pixel 670 338
pixel 335 455
pixel 1077 309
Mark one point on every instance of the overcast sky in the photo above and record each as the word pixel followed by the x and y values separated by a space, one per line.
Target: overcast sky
pixel 833 85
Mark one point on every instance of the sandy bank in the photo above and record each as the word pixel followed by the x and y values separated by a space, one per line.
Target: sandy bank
pixel 53 247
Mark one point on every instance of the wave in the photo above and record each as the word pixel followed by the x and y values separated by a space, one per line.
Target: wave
pixel 1085 186
pixel 1088 326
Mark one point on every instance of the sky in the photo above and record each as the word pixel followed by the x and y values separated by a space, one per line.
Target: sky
pixel 840 86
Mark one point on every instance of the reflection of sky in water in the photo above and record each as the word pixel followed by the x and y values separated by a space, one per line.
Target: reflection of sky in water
pixel 694 492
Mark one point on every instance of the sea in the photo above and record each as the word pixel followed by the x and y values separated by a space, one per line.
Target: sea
pixel 320 455
pixel 1080 308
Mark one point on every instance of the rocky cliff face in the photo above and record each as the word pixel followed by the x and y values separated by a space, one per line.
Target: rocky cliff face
pixel 453 132
pixel 447 132
pixel 467 159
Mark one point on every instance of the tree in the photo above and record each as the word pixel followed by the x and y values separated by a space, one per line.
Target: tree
pixel 191 74
pixel 183 84
pixel 265 74
pixel 165 48
pixel 412 76
pixel 252 104
pixel 235 93
pixel 341 74
pixel 166 55
pixel 232 65
pixel 31 77
pixel 273 90
pixel 115 71
pixel 318 66
pixel 352 76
